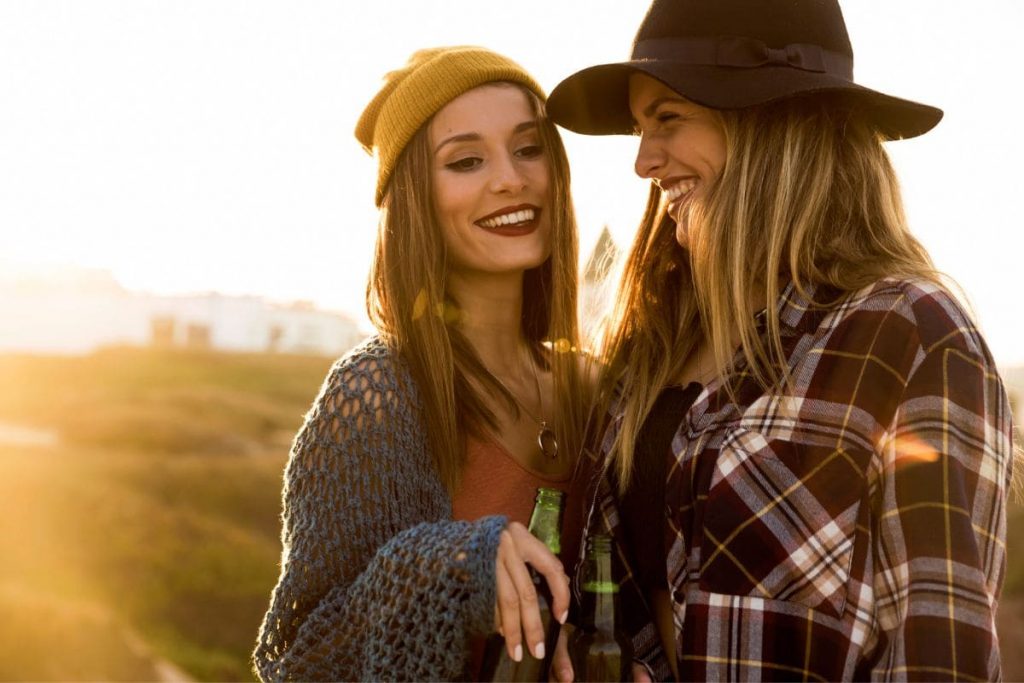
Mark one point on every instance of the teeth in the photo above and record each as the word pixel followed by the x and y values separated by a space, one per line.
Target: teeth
pixel 509 218
pixel 679 189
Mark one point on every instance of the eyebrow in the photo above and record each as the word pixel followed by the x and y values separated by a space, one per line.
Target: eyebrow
pixel 470 137
pixel 651 108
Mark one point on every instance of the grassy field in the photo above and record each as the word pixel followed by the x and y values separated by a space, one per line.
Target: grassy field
pixel 149 533
pixel 146 538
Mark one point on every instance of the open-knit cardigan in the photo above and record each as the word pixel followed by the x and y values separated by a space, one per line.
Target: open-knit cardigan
pixel 377 581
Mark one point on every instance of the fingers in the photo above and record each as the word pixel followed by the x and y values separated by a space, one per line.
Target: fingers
pixel 529 612
pixel 518 614
pixel 508 600
pixel 544 561
pixel 558 584
pixel 561 665
pixel 640 674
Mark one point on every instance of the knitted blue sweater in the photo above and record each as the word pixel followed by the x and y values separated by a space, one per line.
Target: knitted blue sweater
pixel 377 581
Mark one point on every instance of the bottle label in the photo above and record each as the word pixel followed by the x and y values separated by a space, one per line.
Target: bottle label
pixel 600 587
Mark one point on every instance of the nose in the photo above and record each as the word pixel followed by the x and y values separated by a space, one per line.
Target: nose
pixel 506 176
pixel 650 157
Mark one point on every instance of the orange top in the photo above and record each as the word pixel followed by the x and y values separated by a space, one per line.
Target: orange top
pixel 495 483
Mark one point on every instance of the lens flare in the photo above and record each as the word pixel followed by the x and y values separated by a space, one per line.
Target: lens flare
pixel 911 449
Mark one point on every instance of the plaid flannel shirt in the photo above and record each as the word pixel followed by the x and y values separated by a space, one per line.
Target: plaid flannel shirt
pixel 851 526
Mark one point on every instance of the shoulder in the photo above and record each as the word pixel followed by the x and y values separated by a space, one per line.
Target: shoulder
pixel 372 367
pixel 369 386
pixel 917 312
pixel 373 358
pixel 366 413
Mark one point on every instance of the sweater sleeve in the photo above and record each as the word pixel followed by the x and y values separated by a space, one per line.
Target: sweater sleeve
pixel 377 582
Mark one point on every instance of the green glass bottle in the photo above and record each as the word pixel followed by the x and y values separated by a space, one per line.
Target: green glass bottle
pixel 598 649
pixel 545 524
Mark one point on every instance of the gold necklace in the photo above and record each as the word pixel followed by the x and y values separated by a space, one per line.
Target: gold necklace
pixel 546 439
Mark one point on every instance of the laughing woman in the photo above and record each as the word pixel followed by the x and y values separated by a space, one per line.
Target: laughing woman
pixel 809 446
pixel 409 485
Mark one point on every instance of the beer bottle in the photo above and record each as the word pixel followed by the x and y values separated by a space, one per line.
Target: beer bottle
pixel 545 524
pixel 597 649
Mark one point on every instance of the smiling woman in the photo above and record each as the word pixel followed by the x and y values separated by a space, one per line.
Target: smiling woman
pixel 491 180
pixel 809 446
pixel 678 135
pixel 409 486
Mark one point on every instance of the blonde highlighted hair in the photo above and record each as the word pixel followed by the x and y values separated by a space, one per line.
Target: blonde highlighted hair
pixel 408 302
pixel 807 194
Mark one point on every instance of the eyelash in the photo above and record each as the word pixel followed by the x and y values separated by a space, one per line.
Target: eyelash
pixel 466 164
pixel 461 165
pixel 661 118
pixel 530 151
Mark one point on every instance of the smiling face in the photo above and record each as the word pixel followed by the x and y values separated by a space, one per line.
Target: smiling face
pixel 682 147
pixel 491 176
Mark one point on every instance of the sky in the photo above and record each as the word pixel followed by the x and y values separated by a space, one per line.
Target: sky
pixel 206 145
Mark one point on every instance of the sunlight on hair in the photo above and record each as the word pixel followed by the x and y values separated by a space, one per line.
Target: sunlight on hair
pixel 562 346
pixel 419 306
pixel 448 312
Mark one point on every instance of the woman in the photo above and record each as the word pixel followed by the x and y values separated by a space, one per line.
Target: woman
pixel 808 420
pixel 409 484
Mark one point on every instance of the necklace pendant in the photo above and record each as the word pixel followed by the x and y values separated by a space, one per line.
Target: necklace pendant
pixel 547 441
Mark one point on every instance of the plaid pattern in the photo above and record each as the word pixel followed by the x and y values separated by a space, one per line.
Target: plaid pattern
pixel 850 527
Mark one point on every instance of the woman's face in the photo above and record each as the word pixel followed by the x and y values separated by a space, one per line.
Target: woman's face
pixel 682 147
pixel 491 181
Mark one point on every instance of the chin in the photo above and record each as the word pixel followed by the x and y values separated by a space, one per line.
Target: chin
pixel 683 235
pixel 534 258
pixel 530 264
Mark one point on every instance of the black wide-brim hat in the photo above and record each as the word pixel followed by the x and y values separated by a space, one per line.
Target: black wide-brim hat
pixel 732 54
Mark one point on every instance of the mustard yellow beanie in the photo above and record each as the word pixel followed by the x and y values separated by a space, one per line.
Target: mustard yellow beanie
pixel 411 95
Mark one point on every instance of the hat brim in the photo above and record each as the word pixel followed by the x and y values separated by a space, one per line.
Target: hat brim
pixel 595 101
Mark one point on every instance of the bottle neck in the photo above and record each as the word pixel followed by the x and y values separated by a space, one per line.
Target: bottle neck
pixel 601 591
pixel 546 520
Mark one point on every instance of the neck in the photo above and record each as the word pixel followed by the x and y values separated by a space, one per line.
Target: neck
pixel 490 307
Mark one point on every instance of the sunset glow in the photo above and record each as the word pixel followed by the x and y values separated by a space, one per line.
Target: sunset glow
pixel 190 147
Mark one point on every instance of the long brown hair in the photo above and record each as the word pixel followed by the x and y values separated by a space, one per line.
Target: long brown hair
pixel 408 302
pixel 807 194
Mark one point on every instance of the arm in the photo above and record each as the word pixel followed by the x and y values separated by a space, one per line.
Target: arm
pixel 940 534
pixel 376 582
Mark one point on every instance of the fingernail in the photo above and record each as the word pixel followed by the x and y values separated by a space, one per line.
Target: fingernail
pixel 538 651
pixel 565 674
pixel 563 616
pixel 517 654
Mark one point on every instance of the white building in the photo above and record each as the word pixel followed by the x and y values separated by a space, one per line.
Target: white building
pixel 77 311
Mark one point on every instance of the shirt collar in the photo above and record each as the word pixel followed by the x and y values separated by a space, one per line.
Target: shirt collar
pixel 798 311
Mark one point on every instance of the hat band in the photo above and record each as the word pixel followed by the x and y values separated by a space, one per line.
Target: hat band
pixel 744 53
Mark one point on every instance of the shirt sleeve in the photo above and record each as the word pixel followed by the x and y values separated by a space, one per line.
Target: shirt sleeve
pixel 940 536
pixel 376 582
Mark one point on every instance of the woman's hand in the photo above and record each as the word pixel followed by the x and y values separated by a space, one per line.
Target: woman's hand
pixel 517 616
pixel 561 666
pixel 640 674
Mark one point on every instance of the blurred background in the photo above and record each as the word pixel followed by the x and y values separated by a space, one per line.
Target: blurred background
pixel 186 226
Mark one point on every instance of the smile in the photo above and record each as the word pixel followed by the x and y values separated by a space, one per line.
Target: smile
pixel 513 218
pixel 512 221
pixel 678 190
